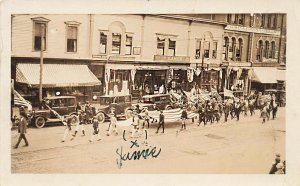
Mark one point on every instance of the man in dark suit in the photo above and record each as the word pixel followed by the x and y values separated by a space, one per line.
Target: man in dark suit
pixel 161 122
pixel 237 110
pixel 22 127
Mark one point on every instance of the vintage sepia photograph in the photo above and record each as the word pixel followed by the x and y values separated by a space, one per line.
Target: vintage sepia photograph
pixel 148 93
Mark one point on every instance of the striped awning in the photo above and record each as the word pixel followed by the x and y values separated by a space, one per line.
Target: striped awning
pixel 56 75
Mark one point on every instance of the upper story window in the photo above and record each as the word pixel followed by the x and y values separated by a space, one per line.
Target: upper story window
pixel 273 50
pixel 275 21
pixel 166 45
pixel 172 47
pixel 116 43
pixel 40 33
pixel 236 18
pixel 128 45
pixel 103 42
pixel 267 48
pixel 259 51
pixel 269 21
pixel 198 48
pixel 72 38
pixel 263 19
pixel 206 49
pixel 239 49
pixel 225 48
pixel 160 46
pixel 72 35
pixel 215 49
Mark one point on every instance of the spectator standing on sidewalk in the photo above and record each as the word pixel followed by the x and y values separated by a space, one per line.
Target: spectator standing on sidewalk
pixel 22 127
pixel 113 122
pixel 274 165
pixel 184 117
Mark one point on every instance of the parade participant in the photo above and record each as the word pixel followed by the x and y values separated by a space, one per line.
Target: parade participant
pixel 245 107
pixel 135 124
pixel 146 118
pixel 67 122
pixel 202 114
pixel 264 114
pixel 277 161
pixel 216 114
pixel 161 122
pixel 227 110
pixel 221 108
pixel 237 110
pixel 269 109
pixel 183 118
pixel 209 112
pixel 22 128
pixel 252 106
pixel 88 112
pixel 113 122
pixel 80 122
pixel 95 123
pixel 274 110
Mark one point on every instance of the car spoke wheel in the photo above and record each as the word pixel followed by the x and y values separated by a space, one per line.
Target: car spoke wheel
pixel 40 122
pixel 101 117
pixel 168 107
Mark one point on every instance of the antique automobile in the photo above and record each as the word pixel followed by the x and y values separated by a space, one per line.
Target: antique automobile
pixel 62 105
pixel 122 105
pixel 161 101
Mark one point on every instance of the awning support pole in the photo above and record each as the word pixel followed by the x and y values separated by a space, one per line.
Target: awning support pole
pixel 41 65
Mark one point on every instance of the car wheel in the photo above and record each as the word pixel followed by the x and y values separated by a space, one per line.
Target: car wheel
pixel 128 113
pixel 40 122
pixel 101 117
pixel 168 107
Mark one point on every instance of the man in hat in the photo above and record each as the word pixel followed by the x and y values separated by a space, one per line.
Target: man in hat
pixel 274 165
pixel 146 118
pixel 237 109
pixel 161 122
pixel 22 127
pixel 184 117
pixel 80 121
pixel 95 123
pixel 113 122
pixel 88 112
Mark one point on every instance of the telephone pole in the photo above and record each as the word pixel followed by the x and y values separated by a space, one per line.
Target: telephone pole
pixel 41 64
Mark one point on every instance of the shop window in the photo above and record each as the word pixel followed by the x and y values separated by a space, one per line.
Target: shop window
pixel 215 49
pixel 103 43
pixel 259 51
pixel 272 53
pixel 172 47
pixel 39 28
pixel 128 45
pixel 206 49
pixel 160 46
pixel 198 48
pixel 267 47
pixel 72 38
pixel 116 43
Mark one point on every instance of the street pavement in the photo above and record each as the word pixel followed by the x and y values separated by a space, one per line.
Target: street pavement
pixel 240 147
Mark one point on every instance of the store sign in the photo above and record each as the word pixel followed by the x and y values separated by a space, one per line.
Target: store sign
pixel 254 30
pixel 238 64
pixel 185 59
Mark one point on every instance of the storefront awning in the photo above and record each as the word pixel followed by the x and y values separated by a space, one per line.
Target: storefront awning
pixel 56 75
pixel 281 75
pixel 264 74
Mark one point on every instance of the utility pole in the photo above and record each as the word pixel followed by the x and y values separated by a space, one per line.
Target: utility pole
pixel 41 64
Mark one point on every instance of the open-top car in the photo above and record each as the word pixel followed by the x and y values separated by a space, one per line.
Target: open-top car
pixel 161 101
pixel 122 105
pixel 63 105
